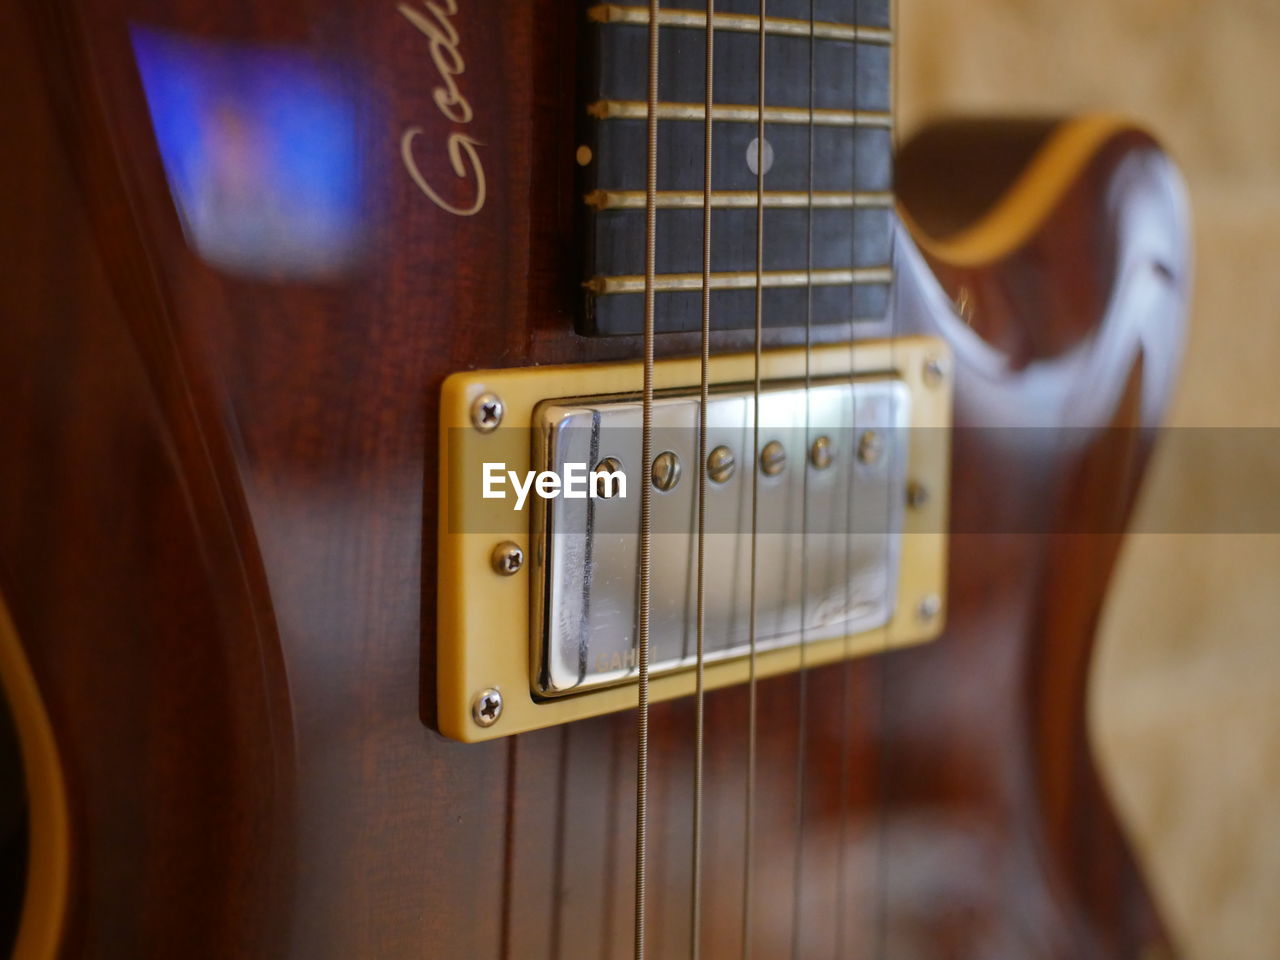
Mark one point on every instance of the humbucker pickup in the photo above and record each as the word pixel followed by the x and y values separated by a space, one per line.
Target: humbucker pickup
pixel 827 533
pixel 541 480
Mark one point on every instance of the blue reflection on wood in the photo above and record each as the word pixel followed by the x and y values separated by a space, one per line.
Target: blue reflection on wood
pixel 259 146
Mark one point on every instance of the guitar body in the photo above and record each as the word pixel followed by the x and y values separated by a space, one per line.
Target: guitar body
pixel 217 536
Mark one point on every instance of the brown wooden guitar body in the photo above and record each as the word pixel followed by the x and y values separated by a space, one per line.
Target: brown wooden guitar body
pixel 216 544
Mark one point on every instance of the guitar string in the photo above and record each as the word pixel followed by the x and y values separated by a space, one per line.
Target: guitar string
pixel 846 673
pixel 883 758
pixel 695 922
pixel 802 707
pixel 754 465
pixel 646 490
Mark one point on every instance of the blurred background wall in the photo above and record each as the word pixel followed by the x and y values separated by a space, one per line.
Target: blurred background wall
pixel 1186 687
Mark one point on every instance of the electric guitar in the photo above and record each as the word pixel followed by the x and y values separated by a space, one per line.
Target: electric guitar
pixel 548 479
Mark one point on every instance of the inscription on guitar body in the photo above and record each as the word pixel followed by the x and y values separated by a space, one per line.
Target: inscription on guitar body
pixel 434 21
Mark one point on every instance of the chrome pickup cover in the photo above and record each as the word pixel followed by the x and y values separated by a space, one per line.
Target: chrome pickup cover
pixel 828 545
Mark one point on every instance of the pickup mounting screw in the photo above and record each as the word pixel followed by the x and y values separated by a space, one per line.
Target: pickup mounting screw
pixel 773 458
pixel 929 607
pixel 917 495
pixel 720 464
pixel 820 453
pixel 666 470
pixel 486 707
pixel 870 447
pixel 486 412
pixel 934 371
pixel 607 491
pixel 507 558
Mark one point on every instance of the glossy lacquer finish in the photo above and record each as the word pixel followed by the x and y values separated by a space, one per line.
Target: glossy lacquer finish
pixel 216 539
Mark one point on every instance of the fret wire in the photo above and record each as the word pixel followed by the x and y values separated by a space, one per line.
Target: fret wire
pixel 739 199
pixel 739 113
pixel 742 23
pixel 741 280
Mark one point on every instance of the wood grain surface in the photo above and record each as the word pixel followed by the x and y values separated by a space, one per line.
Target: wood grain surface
pixel 216 552
pixel 1182 703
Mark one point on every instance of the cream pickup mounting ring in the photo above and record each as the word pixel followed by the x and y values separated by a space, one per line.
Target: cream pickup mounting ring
pixel 846 557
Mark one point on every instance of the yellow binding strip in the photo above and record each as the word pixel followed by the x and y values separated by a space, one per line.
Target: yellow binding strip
pixel 45 900
pixel 1023 208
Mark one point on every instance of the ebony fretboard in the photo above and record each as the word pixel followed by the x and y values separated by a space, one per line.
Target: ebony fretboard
pixel 828 200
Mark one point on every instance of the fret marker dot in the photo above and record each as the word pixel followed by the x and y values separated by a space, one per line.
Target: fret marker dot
pixel 584 155
pixel 753 151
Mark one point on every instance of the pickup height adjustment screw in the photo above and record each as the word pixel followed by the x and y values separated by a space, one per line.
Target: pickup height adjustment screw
pixel 773 458
pixel 870 447
pixel 507 558
pixel 607 491
pixel 666 470
pixel 486 412
pixel 486 708
pixel 820 453
pixel 720 464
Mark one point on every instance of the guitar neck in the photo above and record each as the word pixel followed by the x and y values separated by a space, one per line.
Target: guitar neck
pixel 827 155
